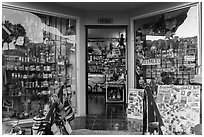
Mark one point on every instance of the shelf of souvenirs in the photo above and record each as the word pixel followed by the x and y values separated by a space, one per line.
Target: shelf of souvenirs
pixel 29 75
pixel 34 84
pixel 30 60
pixel 179 71
pixel 27 96
pixel 176 54
pixel 103 69
pixel 91 63
pixel 115 57
pixel 28 93
pixel 37 63
pixel 24 71
pixel 96 71
pixel 114 63
pixel 30 79
pixel 32 68
pixel 98 57
pixel 115 83
pixel 92 54
pixel 37 88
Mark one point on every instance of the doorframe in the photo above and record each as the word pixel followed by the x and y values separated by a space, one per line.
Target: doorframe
pixel 86 58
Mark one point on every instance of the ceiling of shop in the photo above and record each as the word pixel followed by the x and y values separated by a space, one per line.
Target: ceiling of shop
pixel 100 6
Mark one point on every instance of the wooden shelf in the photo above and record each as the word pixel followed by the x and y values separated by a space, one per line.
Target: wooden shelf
pixel 37 63
pixel 30 71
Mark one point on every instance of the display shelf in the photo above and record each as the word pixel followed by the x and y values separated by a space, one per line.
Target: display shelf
pixel 28 71
pixel 108 60
pixel 116 58
pixel 15 96
pixel 171 61
pixel 115 92
pixel 27 78
pixel 37 63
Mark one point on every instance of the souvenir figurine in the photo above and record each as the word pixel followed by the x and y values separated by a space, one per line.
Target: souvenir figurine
pixel 141 81
pixel 153 48
pixel 138 70
pixel 138 40
pixel 166 45
pixel 139 48
pixel 161 43
pixel 174 43
pixel 148 43
pixel 140 57
pixel 139 32
pixel 147 53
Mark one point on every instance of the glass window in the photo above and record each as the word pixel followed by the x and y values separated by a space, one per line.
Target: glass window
pixel 39 56
pixel 167 52
pixel 168 42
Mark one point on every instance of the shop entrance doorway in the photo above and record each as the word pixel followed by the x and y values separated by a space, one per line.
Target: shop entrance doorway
pixel 106 65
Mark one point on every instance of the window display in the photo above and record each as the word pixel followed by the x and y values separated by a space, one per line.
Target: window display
pixel 163 55
pixel 166 57
pixel 38 57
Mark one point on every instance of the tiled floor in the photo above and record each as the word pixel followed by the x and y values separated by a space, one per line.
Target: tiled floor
pixel 104 116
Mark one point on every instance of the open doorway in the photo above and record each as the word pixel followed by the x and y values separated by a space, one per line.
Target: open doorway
pixel 106 68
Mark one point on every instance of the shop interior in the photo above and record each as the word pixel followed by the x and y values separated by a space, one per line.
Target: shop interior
pixel 106 67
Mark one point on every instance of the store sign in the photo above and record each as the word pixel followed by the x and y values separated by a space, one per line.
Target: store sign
pixel 179 106
pixel 189 58
pixel 135 103
pixel 155 61
pixel 105 20
pixel 192 65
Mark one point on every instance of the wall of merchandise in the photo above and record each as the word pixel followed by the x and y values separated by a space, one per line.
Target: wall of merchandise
pixel 106 60
pixel 169 63
pixel 37 57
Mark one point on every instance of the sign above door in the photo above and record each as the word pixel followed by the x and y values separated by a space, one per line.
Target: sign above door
pixel 105 20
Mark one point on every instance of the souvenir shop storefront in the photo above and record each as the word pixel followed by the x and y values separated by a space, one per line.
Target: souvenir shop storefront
pixel 147 59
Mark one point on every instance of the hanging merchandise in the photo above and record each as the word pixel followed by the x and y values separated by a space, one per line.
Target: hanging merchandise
pixel 139 70
pixel 121 44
